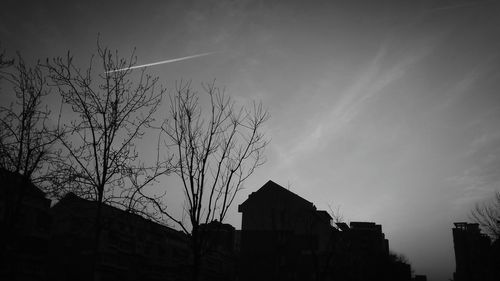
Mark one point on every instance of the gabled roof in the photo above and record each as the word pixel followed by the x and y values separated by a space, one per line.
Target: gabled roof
pixel 271 186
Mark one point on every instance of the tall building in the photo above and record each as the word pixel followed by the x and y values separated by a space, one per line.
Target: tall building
pixel 283 236
pixel 365 254
pixel 472 252
pixel 369 237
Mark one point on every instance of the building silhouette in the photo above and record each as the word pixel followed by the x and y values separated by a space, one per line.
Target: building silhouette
pixel 131 247
pixel 25 226
pixel 364 254
pixel 476 257
pixel 281 233
pixel 284 237
pixel 39 242
pixel 219 258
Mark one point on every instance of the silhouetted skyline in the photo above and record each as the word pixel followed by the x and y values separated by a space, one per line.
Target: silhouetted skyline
pixel 283 237
pixel 388 109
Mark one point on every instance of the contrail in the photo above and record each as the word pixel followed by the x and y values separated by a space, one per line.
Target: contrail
pixel 162 62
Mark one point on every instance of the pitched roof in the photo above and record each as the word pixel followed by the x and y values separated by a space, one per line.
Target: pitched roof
pixel 272 186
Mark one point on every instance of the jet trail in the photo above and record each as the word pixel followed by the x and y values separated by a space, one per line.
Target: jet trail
pixel 162 62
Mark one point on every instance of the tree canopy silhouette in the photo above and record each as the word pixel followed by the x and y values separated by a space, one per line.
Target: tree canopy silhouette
pixel 26 137
pixel 487 214
pixel 215 148
pixel 110 112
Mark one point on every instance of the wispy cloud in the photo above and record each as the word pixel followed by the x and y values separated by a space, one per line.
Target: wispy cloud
pixel 369 84
pixel 162 62
pixel 479 177
pixel 471 188
pixel 463 87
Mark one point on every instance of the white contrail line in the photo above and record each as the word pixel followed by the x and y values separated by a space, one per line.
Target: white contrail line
pixel 162 62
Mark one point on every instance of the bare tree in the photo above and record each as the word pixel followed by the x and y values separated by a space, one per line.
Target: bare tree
pixel 111 112
pixel 26 141
pixel 487 214
pixel 26 138
pixel 4 62
pixel 26 147
pixel 336 214
pixel 214 152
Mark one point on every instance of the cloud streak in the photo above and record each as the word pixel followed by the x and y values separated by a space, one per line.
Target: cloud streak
pixel 369 84
pixel 162 62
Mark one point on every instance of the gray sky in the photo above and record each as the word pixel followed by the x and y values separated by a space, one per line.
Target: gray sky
pixel 388 109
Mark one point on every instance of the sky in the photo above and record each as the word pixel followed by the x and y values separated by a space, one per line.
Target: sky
pixel 387 110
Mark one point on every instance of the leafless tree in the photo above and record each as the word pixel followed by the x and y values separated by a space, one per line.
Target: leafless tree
pixel 111 112
pixel 487 214
pixel 4 62
pixel 26 139
pixel 26 145
pixel 214 152
pixel 336 214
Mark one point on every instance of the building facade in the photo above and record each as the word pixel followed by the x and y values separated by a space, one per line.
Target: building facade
pixel 284 237
pixel 25 224
pixel 475 257
pixel 130 246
